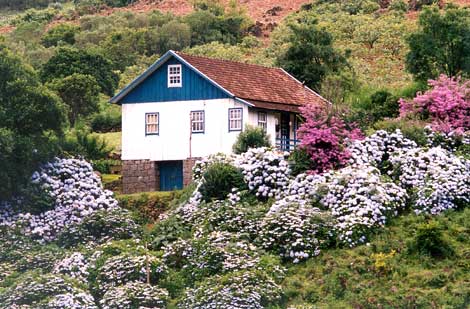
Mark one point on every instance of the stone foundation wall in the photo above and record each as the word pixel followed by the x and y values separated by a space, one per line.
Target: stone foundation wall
pixel 140 176
pixel 188 170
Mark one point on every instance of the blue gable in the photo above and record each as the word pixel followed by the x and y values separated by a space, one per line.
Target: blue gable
pixel 154 88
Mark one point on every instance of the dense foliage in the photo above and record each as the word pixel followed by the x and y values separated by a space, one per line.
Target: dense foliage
pixel 30 116
pixel 441 45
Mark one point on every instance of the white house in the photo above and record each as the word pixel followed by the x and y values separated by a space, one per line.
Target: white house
pixel 185 107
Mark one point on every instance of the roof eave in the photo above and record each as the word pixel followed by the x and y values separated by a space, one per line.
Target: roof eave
pixel 306 87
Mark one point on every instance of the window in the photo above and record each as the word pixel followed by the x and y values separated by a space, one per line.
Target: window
pixel 152 121
pixel 263 120
pixel 235 119
pixel 197 122
pixel 174 75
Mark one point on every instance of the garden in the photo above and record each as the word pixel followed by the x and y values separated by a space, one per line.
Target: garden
pixel 254 224
pixel 370 211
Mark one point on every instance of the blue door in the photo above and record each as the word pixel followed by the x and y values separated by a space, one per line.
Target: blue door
pixel 171 175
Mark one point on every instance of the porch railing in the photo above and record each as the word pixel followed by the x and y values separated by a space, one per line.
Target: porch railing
pixel 286 144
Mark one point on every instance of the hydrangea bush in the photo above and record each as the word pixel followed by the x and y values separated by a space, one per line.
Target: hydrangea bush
pixel 360 201
pixel 134 295
pixel 379 148
pixel 121 269
pixel 436 179
pixel 77 193
pixel 266 171
pixel 46 291
pixel 75 266
pixel 294 231
pixel 244 289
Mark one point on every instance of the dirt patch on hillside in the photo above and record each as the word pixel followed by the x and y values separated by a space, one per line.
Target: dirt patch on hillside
pixel 6 29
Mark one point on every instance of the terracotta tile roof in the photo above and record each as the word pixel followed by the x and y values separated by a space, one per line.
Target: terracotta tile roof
pixel 265 87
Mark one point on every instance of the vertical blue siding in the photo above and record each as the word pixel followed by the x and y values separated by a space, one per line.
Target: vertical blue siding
pixel 155 87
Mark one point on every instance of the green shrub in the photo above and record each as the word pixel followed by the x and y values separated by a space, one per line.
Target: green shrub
pixel 399 5
pixel 81 143
pixel 104 166
pixel 62 33
pixel 411 129
pixel 219 180
pixel 106 122
pixel 430 240
pixel 150 206
pixel 300 161
pixel 251 137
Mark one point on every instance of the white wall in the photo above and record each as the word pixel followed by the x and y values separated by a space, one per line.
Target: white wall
pixel 271 124
pixel 173 141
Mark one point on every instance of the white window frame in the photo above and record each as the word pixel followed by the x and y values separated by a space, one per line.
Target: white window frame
pixel 198 123
pixel 263 123
pixel 155 123
pixel 175 79
pixel 234 119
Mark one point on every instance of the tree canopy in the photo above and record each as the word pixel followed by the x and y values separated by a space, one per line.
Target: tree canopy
pixel 441 45
pixel 68 61
pixel 311 54
pixel 29 116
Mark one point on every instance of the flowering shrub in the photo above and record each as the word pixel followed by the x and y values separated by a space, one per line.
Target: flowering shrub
pixel 451 141
pixel 243 289
pixel 294 231
pixel 134 295
pixel 303 190
pixel 378 148
pixel 48 291
pixel 218 252
pixel 325 137
pixel 265 171
pixel 201 166
pixel 99 227
pixel 121 269
pixel 77 193
pixel 436 179
pixel 75 266
pixel 360 201
pixel 446 105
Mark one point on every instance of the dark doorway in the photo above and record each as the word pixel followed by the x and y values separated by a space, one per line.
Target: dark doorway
pixel 285 131
pixel 171 175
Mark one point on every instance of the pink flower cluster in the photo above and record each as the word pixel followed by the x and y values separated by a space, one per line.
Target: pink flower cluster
pixel 325 136
pixel 446 105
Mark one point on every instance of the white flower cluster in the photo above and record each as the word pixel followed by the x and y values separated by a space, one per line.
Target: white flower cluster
pixel 134 295
pixel 201 166
pixel 437 179
pixel 47 291
pixel 448 140
pixel 293 231
pixel 360 201
pixel 72 301
pixel 265 171
pixel 303 190
pixel 378 148
pixel 215 253
pixel 77 192
pixel 121 269
pixel 244 289
pixel 75 266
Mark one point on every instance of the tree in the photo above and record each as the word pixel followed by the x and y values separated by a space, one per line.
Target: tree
pixel 80 93
pixel 68 61
pixel 62 33
pixel 311 54
pixel 30 116
pixel 441 45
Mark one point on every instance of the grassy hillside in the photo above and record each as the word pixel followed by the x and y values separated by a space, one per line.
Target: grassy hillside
pixel 390 271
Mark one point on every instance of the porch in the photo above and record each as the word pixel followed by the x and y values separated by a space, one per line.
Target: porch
pixel 287 124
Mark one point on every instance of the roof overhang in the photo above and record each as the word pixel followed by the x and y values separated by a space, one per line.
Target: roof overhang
pixel 157 64
pixel 283 107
